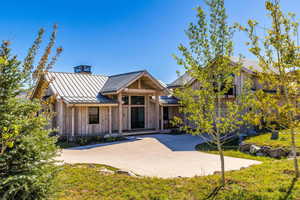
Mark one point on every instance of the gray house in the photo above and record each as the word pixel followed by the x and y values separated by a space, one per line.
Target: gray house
pixel 89 104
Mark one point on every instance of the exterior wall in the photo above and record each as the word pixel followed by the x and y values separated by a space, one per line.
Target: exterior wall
pixel 81 125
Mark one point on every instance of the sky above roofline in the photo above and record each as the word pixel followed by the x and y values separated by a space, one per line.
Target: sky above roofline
pixel 119 36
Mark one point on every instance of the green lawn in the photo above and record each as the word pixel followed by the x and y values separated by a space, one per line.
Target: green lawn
pixel 270 180
pixel 284 140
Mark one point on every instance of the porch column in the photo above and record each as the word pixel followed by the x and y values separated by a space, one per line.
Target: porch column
pixel 129 112
pixel 60 118
pixel 162 118
pixel 73 122
pixel 109 120
pixel 157 111
pixel 120 113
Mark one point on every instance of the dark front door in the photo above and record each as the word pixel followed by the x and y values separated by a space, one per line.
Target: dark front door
pixel 137 117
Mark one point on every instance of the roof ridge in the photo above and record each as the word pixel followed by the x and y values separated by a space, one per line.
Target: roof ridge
pixel 128 73
pixel 78 73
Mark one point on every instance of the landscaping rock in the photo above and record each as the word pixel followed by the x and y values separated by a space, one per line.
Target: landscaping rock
pixel 275 135
pixel 260 154
pixel 254 149
pixel 244 147
pixel 124 172
pixel 105 171
pixel 278 153
pixel 217 172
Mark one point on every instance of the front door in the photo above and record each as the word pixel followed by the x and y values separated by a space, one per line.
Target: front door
pixel 137 117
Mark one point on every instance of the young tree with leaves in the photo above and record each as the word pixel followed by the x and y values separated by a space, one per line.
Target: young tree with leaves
pixel 208 62
pixel 277 101
pixel 27 164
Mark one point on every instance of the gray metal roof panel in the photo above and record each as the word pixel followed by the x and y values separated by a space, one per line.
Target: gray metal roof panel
pixel 168 100
pixel 116 82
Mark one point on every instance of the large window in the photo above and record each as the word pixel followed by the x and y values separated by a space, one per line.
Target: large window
pixel 93 115
pixel 137 100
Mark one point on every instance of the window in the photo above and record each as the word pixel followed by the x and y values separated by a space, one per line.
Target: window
pixel 93 115
pixel 125 100
pixel 137 100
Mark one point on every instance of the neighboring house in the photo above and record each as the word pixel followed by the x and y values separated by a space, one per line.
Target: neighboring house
pixel 88 104
pixel 248 70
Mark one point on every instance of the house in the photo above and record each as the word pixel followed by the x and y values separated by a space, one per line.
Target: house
pixel 248 70
pixel 87 104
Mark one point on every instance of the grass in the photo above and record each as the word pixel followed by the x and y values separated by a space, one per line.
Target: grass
pixel 271 180
pixel 284 140
pixel 231 151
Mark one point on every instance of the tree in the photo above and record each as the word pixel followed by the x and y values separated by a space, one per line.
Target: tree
pixel 208 62
pixel 27 164
pixel 277 102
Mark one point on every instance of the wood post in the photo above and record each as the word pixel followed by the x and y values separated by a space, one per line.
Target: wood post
pixel 109 120
pixel 73 122
pixel 162 118
pixel 157 111
pixel 129 112
pixel 60 117
pixel 120 113
pixel 146 111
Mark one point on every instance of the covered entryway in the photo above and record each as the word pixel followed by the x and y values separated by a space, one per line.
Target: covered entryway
pixel 137 117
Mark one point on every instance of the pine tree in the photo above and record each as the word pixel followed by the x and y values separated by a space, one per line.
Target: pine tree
pixel 27 164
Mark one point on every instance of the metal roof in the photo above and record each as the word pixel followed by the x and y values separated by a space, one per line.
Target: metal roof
pixel 168 100
pixel 76 88
pixel 248 65
pixel 116 82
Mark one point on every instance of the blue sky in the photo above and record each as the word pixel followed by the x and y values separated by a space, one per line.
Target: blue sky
pixel 116 36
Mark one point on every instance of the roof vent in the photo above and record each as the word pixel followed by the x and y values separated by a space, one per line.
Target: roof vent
pixel 83 69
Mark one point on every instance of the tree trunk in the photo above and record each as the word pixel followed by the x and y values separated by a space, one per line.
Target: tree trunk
pixel 294 152
pixel 219 136
pixel 222 163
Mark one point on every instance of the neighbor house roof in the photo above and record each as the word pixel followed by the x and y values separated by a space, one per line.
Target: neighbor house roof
pixel 77 88
pixel 248 65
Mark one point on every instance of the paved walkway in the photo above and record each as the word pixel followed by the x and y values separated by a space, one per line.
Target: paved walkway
pixel 157 155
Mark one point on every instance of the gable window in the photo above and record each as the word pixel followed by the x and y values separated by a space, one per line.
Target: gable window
pixel 93 115
pixel 137 100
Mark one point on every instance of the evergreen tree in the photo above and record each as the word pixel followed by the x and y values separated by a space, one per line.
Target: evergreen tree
pixel 208 62
pixel 27 164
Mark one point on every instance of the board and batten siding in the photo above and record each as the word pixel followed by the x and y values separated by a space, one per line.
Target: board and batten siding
pixel 81 124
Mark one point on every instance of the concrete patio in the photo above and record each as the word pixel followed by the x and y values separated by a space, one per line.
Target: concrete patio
pixel 158 155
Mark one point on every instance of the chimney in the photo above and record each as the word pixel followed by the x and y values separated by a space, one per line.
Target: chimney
pixel 83 69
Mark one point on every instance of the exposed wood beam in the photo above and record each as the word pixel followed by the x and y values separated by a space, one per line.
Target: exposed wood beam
pixel 91 105
pixel 139 91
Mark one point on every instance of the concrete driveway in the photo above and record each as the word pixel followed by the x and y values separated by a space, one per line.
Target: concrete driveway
pixel 159 155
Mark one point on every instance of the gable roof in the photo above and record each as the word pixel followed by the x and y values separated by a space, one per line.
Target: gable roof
pixel 116 82
pixel 249 66
pixel 76 88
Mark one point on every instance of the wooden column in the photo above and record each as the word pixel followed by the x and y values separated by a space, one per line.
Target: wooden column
pixel 73 122
pixel 162 118
pixel 109 120
pixel 60 117
pixel 157 111
pixel 129 112
pixel 146 111
pixel 120 113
